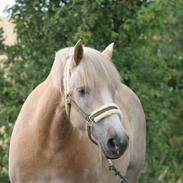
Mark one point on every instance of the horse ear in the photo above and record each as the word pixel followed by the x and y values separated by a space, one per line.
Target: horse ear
pixel 78 52
pixel 109 50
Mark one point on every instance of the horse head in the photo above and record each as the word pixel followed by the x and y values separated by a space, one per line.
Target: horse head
pixel 91 81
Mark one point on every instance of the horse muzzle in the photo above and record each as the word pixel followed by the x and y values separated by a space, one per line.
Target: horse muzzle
pixel 115 146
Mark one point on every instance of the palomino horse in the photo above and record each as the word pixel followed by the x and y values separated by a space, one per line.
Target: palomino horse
pixel 81 100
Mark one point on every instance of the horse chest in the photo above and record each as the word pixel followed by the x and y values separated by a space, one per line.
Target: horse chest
pixel 69 175
pixel 61 172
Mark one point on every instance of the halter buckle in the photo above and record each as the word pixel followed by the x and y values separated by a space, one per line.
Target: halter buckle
pixel 89 121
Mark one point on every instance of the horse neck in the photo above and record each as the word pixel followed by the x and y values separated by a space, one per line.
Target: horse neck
pixel 57 136
pixel 52 122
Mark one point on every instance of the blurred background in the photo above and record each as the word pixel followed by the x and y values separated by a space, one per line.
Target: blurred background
pixel 148 36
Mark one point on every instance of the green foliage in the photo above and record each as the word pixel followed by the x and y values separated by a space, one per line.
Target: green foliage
pixel 1 41
pixel 152 65
pixel 148 55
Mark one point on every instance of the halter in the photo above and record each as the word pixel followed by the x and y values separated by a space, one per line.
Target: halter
pixel 97 115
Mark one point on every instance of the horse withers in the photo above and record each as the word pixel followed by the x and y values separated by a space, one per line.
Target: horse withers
pixel 75 120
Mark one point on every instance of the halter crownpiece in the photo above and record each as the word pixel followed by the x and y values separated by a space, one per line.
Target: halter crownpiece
pixel 67 73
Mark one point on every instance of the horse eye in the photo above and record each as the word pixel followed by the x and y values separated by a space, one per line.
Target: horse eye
pixel 82 91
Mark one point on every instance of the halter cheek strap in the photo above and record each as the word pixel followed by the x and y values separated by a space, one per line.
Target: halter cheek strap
pixel 67 73
pixel 97 115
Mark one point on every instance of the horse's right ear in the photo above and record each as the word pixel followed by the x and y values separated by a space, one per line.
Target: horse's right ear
pixel 78 52
pixel 109 50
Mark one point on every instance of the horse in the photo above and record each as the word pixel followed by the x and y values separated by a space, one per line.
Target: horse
pixel 77 118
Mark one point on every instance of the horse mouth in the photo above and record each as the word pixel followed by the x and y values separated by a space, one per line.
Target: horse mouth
pixel 109 155
pixel 112 157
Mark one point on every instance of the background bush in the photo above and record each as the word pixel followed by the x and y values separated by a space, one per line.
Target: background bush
pixel 148 38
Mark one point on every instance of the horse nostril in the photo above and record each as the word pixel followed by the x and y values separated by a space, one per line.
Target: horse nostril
pixel 117 145
pixel 113 145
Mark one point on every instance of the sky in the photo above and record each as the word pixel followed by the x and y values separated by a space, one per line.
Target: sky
pixel 4 4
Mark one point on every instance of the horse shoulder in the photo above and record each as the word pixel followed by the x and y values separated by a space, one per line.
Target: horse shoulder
pixel 23 144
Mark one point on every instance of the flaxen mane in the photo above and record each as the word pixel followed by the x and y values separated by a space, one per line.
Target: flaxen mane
pixel 94 69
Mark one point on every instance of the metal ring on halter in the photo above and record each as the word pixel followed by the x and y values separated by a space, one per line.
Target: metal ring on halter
pixel 89 121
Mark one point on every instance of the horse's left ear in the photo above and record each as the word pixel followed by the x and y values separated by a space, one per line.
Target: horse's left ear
pixel 78 52
pixel 109 50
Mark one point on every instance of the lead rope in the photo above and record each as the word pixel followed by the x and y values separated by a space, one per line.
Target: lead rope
pixel 115 172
